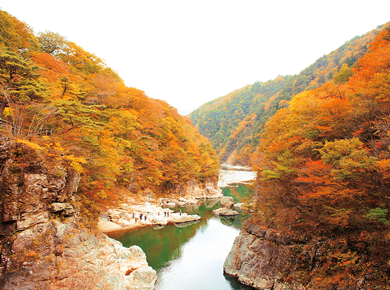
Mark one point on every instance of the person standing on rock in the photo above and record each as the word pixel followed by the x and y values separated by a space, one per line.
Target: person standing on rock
pixel 145 217
pixel 140 216
pixel 180 212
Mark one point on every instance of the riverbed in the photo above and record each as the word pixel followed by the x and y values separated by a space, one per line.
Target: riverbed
pixel 191 257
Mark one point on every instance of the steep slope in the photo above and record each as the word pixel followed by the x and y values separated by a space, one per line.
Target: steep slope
pixel 320 217
pixel 74 140
pixel 233 123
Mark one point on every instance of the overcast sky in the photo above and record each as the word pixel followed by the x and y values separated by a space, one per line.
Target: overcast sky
pixel 190 52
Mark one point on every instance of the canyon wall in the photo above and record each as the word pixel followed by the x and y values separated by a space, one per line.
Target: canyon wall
pixel 42 242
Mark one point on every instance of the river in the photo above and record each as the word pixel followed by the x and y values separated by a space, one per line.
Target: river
pixel 191 257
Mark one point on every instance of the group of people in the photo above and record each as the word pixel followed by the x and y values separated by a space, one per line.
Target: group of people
pixel 140 217
pixel 166 214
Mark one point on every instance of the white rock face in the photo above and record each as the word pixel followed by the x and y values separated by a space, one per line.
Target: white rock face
pixel 230 176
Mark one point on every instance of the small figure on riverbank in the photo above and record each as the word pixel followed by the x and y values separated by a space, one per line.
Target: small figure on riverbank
pixel 145 218
pixel 165 214
pixel 133 216
pixel 180 212
pixel 140 216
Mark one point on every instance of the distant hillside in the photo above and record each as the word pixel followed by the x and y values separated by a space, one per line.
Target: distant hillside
pixel 233 123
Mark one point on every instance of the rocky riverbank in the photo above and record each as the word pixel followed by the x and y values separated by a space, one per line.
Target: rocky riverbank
pixel 155 212
pixel 132 214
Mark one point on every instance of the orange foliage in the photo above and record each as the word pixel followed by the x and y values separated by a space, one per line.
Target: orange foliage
pixel 324 170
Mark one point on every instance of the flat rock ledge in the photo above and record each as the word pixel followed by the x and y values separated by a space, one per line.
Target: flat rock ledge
pixel 225 212
pixel 145 214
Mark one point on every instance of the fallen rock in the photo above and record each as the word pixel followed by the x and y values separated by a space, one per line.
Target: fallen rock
pixel 227 202
pixel 225 212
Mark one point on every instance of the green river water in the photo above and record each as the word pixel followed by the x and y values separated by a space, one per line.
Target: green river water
pixel 191 257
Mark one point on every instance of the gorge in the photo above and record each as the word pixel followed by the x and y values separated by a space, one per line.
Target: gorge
pixel 83 155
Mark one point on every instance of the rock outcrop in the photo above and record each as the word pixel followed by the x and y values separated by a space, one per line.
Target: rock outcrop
pixel 227 204
pixel 266 259
pixel 257 259
pixel 192 190
pixel 42 245
pixel 57 255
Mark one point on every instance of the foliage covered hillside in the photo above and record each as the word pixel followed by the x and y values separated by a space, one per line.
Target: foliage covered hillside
pixel 64 101
pixel 233 123
pixel 324 174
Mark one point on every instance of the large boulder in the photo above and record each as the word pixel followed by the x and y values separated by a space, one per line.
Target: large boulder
pixel 227 202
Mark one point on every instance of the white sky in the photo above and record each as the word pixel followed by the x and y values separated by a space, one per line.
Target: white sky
pixel 190 52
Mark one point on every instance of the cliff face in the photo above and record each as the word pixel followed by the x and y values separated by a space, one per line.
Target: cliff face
pixel 41 243
pixel 256 259
pixel 268 260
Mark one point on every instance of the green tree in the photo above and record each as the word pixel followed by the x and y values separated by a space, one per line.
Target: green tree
pixel 343 75
pixel 19 82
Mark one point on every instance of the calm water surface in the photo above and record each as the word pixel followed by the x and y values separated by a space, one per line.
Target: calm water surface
pixel 191 257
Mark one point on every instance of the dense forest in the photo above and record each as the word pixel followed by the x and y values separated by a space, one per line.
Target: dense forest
pixel 323 175
pixel 67 104
pixel 233 123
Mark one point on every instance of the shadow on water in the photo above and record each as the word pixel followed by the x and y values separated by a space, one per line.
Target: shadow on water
pixel 190 256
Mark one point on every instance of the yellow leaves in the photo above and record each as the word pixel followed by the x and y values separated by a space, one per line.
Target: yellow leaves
pixel 30 144
pixel 75 162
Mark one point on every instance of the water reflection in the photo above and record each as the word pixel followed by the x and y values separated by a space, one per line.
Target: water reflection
pixel 190 257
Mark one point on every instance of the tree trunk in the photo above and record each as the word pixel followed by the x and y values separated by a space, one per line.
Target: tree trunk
pixel 2 107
